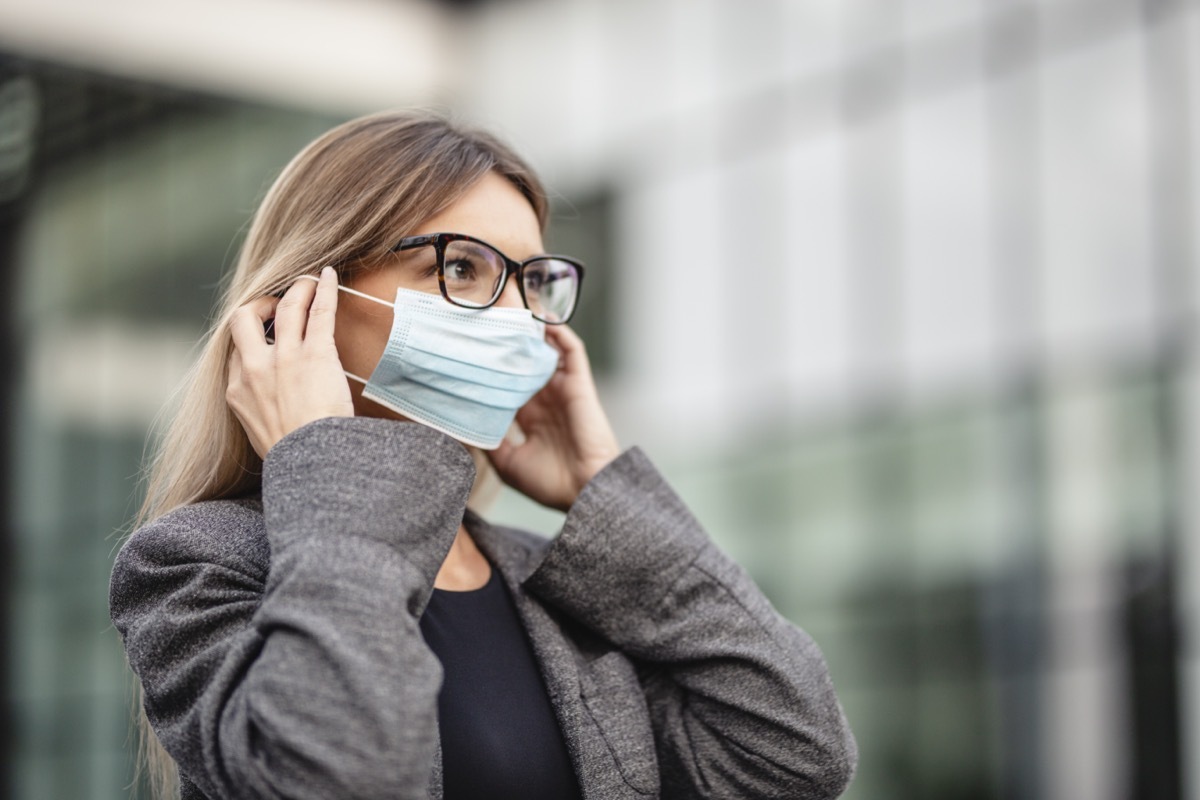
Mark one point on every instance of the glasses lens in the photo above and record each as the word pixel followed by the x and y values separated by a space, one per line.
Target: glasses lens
pixel 551 288
pixel 473 273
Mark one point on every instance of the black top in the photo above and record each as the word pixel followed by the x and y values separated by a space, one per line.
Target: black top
pixel 500 738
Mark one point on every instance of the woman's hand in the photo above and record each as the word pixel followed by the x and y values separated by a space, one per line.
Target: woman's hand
pixel 276 388
pixel 567 436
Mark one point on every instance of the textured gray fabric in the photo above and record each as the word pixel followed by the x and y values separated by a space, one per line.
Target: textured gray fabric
pixel 278 645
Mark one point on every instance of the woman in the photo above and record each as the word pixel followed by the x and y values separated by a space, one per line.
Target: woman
pixel 311 603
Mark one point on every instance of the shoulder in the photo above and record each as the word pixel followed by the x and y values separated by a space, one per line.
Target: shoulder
pixel 196 557
pixel 229 532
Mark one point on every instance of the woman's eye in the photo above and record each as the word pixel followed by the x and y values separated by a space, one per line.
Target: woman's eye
pixel 460 271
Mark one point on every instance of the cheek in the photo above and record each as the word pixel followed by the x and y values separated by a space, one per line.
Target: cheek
pixel 361 336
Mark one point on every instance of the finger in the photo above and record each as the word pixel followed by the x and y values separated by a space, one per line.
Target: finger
pixel 324 307
pixel 501 457
pixel 262 307
pixel 531 415
pixel 291 314
pixel 567 342
pixel 233 372
pixel 506 460
pixel 246 326
pixel 233 381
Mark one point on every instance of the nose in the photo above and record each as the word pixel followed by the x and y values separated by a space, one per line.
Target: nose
pixel 510 295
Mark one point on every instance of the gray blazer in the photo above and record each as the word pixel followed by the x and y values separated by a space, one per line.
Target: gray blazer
pixel 277 638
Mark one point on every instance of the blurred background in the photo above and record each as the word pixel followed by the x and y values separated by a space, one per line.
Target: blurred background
pixel 900 295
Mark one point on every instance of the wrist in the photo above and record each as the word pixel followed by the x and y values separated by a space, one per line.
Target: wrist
pixel 589 470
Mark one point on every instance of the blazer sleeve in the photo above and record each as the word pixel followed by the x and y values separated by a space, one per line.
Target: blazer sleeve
pixel 308 679
pixel 740 699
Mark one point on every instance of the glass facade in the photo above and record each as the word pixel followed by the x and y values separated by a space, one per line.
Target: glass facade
pixel 127 220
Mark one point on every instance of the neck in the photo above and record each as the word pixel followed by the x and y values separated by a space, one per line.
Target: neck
pixel 465 567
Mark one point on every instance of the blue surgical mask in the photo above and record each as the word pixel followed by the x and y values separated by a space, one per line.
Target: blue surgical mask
pixel 462 371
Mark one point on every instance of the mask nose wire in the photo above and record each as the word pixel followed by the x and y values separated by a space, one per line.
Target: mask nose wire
pixel 363 295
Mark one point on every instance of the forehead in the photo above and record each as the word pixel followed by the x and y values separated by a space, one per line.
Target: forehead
pixel 493 210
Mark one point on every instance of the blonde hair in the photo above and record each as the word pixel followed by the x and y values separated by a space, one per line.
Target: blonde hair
pixel 344 200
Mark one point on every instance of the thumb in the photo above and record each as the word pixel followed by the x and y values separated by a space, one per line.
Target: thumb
pixel 501 458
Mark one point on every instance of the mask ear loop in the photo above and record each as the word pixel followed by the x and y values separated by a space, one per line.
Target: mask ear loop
pixel 364 296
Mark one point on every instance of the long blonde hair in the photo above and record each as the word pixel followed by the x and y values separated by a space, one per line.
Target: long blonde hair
pixel 344 200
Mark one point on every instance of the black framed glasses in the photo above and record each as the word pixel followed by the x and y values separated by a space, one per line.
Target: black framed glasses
pixel 471 273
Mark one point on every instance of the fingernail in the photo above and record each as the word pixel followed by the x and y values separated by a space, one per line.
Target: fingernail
pixel 327 271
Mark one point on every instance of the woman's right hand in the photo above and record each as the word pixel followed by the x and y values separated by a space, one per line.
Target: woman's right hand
pixel 276 388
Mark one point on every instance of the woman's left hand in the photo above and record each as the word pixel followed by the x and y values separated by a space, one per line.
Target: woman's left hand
pixel 567 436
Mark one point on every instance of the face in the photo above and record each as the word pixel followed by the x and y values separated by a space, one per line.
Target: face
pixel 493 210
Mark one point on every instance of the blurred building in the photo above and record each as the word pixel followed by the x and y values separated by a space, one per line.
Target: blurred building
pixel 900 295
